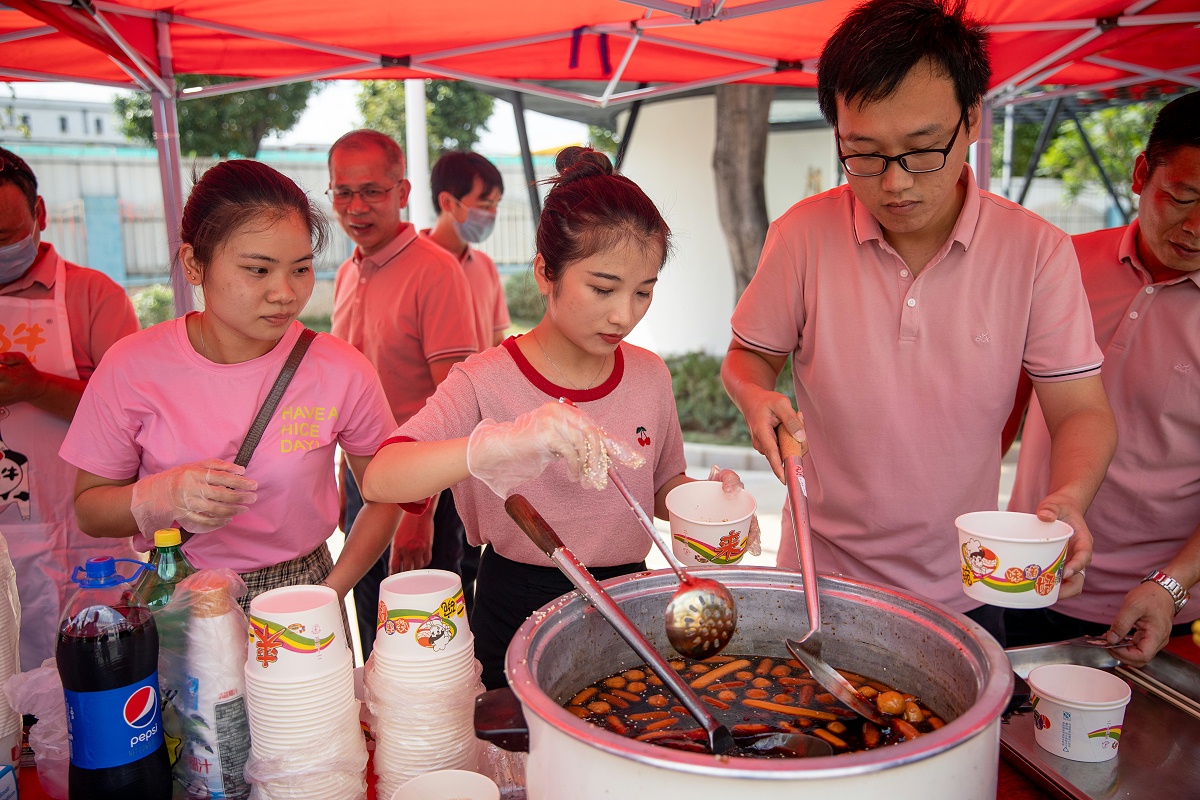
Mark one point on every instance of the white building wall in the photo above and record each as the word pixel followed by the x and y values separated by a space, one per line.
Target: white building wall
pixel 670 157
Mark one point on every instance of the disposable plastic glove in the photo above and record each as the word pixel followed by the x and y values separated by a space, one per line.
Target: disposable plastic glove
pixel 506 454
pixel 201 496
pixel 732 483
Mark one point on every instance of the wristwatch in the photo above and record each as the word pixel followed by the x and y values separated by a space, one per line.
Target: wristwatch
pixel 1173 587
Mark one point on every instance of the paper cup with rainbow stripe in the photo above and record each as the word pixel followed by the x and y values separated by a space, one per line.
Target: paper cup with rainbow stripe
pixel 1078 712
pixel 296 633
pixel 1012 559
pixel 421 616
pixel 708 524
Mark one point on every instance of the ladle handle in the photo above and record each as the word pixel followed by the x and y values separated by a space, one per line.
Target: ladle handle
pixel 793 452
pixel 540 533
pixel 648 526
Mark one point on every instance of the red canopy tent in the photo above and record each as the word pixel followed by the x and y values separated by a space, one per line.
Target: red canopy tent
pixel 1040 48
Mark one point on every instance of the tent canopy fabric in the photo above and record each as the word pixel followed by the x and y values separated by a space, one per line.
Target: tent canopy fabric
pixel 670 46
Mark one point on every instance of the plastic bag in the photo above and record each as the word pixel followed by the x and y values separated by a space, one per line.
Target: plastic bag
pixel 202 656
pixel 39 692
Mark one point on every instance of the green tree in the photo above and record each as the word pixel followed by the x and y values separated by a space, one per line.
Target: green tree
pixel 1025 136
pixel 604 140
pixel 8 115
pixel 457 112
pixel 1118 135
pixel 223 125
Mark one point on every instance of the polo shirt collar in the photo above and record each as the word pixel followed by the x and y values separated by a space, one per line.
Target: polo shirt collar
pixel 1128 254
pixel 403 239
pixel 866 227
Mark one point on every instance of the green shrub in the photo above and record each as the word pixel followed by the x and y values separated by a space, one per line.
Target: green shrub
pixel 525 303
pixel 154 304
pixel 705 411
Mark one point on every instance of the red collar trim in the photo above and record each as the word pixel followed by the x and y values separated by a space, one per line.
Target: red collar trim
pixel 542 384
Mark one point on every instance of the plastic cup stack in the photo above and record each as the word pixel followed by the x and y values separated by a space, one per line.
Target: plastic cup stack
pixel 422 679
pixel 305 738
pixel 10 656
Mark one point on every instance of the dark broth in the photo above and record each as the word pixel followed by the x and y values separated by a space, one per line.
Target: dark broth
pixel 753 696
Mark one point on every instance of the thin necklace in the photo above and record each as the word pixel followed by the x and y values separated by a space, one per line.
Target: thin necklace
pixel 204 344
pixel 576 386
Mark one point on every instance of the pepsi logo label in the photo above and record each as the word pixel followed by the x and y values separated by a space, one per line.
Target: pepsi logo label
pixel 141 707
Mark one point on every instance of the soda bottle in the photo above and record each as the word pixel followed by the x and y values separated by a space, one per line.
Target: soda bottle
pixel 107 654
pixel 168 567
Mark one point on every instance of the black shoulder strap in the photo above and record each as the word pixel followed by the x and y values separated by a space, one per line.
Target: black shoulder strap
pixel 276 394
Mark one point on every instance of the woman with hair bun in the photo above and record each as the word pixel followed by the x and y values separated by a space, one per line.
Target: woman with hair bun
pixel 164 416
pixel 498 421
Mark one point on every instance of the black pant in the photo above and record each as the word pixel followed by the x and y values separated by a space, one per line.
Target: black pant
pixel 506 593
pixel 447 553
pixel 1027 626
pixel 992 619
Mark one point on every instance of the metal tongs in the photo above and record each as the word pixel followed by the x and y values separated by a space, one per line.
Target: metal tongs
pixel 807 649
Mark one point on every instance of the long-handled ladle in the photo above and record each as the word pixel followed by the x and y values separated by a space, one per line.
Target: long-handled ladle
pixel 807 649
pixel 701 615
pixel 720 740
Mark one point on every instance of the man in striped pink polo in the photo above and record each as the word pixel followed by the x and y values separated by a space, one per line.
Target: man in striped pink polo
pixel 909 301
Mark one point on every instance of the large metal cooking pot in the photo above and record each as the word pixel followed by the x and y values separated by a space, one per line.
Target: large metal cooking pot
pixel 915 645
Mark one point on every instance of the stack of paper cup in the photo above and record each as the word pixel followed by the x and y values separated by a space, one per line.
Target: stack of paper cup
pixel 305 740
pixel 422 679
pixel 10 656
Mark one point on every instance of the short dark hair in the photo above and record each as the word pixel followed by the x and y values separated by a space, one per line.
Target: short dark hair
pixel 591 209
pixel 1175 127
pixel 14 170
pixel 455 172
pixel 234 193
pixel 365 139
pixel 880 41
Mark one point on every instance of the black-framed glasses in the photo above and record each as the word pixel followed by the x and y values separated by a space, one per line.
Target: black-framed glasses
pixel 371 194
pixel 914 161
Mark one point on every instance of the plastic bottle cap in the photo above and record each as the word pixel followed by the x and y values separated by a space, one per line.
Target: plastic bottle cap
pixel 97 569
pixel 167 537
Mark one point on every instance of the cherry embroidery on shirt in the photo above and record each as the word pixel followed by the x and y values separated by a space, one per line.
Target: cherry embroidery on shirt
pixel 643 436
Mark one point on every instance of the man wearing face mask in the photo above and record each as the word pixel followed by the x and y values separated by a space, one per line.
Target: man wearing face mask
pixel 56 320
pixel 466 190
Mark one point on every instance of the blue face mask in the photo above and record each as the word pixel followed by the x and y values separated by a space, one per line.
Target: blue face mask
pixel 16 258
pixel 476 227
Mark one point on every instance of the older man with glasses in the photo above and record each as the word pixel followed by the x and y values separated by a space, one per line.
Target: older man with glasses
pixel 404 302
pixel 909 301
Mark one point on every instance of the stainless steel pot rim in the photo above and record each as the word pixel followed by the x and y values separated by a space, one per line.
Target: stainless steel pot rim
pixel 982 714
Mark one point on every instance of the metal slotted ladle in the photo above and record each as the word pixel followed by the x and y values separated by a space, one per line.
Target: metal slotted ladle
pixel 701 615
pixel 807 649
pixel 720 740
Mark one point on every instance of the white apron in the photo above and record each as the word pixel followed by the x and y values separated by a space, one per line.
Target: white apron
pixel 37 488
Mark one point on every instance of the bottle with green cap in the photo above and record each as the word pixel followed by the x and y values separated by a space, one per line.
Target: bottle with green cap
pixel 169 567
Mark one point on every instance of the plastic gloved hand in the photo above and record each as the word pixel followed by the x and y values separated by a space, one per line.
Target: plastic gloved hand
pixel 506 454
pixel 732 483
pixel 201 496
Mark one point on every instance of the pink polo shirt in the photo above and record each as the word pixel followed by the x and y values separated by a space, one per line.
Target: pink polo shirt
pixel 487 294
pixel 1149 503
pixel 905 383
pixel 404 308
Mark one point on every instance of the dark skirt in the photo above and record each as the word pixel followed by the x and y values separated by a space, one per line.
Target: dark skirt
pixel 506 593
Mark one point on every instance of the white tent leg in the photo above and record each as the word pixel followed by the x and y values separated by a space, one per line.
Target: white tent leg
pixel 420 206
pixel 166 141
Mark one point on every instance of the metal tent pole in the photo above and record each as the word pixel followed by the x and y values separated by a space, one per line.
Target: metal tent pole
pixel 170 165
pixel 535 200
pixel 1087 144
pixel 1043 140
pixel 627 134
pixel 421 212
pixel 1010 115
pixel 982 161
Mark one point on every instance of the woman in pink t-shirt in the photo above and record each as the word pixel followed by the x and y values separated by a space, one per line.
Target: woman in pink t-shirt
pixel 164 415
pixel 495 423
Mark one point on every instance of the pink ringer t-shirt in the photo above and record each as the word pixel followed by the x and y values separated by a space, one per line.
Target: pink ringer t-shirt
pixel 404 308
pixel 1149 503
pixel 905 383
pixel 635 404
pixel 155 403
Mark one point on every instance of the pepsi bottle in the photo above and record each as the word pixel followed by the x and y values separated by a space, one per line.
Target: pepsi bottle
pixel 107 654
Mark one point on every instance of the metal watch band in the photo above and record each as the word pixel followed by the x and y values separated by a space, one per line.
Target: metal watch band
pixel 1177 592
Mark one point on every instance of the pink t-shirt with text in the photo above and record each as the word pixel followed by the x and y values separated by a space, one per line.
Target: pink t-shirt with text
pixel 155 403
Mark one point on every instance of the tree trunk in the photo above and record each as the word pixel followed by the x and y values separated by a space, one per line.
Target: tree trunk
pixel 739 161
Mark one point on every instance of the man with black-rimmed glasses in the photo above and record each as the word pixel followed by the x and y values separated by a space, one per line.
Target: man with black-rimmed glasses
pixel 910 300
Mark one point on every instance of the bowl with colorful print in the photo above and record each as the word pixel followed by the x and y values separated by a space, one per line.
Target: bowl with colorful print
pixel 709 526
pixel 1012 559
pixel 1078 712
